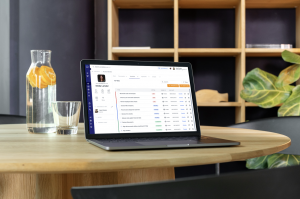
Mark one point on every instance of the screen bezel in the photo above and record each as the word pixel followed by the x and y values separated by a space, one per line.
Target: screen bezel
pixel 137 63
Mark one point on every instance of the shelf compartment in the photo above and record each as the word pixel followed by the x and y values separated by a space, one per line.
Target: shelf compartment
pixel 154 52
pixel 208 52
pixel 254 113
pixel 208 3
pixel 146 27
pixel 144 4
pixel 267 52
pixel 216 73
pixel 207 28
pixel 216 116
pixel 249 104
pixel 271 26
pixel 272 3
pixel 220 104
pixel 273 65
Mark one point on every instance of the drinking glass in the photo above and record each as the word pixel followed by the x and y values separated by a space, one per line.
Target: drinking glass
pixel 66 116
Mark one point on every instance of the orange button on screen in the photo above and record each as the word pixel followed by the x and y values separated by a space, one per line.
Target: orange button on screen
pixel 173 85
pixel 184 85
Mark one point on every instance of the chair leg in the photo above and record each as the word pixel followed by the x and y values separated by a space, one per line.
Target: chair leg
pixel 217 168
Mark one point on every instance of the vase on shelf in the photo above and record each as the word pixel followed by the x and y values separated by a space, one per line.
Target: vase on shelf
pixel 40 93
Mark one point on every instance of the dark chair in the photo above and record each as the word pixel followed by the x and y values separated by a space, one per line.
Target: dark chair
pixel 12 119
pixel 289 126
pixel 272 183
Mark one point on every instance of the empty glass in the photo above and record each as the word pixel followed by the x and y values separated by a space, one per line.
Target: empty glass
pixel 66 116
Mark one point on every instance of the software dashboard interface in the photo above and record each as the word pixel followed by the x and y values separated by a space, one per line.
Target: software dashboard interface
pixel 138 99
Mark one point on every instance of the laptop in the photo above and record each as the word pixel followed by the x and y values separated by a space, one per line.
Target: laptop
pixel 131 105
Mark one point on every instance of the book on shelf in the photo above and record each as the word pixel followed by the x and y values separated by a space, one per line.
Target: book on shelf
pixel 132 47
pixel 274 46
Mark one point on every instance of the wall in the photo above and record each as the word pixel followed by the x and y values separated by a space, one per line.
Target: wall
pixel 64 27
pixel 4 57
pixel 101 29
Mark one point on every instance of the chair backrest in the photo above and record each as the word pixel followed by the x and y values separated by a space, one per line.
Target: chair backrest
pixel 289 126
pixel 12 119
pixel 273 183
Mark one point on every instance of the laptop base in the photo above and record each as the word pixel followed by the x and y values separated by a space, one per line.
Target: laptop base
pixel 160 143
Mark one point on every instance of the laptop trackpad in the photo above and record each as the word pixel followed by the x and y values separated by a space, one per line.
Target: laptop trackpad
pixel 169 142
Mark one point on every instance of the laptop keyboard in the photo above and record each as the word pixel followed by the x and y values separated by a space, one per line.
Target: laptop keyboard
pixel 148 139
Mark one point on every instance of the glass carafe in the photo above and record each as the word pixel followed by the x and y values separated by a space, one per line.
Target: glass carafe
pixel 40 93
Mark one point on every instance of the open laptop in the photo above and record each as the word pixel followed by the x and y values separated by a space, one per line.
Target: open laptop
pixel 141 105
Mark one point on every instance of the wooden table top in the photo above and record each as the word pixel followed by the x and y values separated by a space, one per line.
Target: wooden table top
pixel 51 153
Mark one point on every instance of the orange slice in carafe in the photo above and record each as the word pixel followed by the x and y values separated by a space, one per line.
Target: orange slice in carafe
pixel 48 75
pixel 32 77
pixel 35 78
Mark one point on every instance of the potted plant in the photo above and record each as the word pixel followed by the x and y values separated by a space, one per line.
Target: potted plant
pixel 266 90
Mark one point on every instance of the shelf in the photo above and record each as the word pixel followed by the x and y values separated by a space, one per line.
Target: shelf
pixel 154 52
pixel 143 4
pixel 201 52
pixel 208 3
pixel 208 52
pixel 154 4
pixel 272 3
pixel 249 104
pixel 220 104
pixel 267 52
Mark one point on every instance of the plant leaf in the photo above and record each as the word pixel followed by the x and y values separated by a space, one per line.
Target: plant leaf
pixel 288 88
pixel 291 106
pixel 282 160
pixel 259 88
pixel 257 163
pixel 290 57
pixel 288 76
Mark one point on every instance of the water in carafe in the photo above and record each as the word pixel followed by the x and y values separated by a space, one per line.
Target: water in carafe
pixel 40 93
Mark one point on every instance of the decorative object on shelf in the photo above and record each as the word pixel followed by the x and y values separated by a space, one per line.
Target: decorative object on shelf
pixel 275 46
pixel 40 93
pixel 207 95
pixel 266 90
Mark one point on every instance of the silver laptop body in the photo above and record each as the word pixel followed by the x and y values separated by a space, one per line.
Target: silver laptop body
pixel 142 105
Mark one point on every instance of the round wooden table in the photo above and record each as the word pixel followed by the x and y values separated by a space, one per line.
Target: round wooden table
pixel 47 166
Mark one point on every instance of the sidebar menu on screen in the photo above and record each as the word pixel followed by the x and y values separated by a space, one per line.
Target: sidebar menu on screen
pixel 89 99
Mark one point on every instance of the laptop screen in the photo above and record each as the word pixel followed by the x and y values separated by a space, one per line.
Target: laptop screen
pixel 138 99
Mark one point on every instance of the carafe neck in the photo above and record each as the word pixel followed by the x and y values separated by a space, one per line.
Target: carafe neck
pixel 41 57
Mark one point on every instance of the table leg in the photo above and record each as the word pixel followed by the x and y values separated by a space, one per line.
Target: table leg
pixel 58 186
pixel 17 186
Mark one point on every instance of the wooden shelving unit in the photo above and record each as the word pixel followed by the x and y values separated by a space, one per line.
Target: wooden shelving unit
pixel 225 104
pixel 262 52
pixel 153 52
pixel 239 52
pixel 208 52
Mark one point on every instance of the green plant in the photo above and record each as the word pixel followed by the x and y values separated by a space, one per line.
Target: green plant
pixel 266 90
